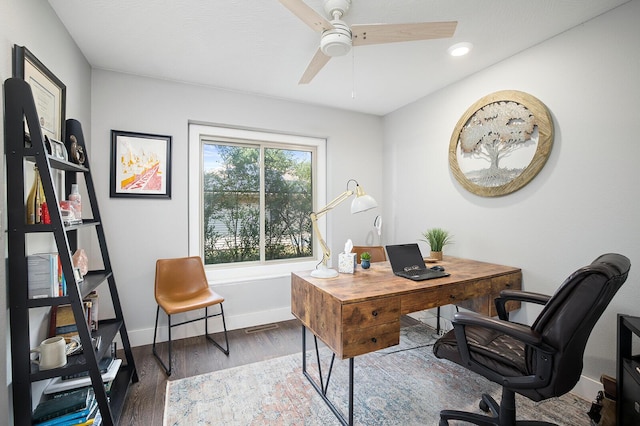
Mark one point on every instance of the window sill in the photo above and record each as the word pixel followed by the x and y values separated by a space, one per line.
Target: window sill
pixel 230 275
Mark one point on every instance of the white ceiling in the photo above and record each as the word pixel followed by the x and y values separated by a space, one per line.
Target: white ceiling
pixel 260 47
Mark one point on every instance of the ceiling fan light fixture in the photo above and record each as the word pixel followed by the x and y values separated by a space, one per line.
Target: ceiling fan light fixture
pixel 460 49
pixel 336 41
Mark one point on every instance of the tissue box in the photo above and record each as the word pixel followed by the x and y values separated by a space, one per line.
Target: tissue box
pixel 347 263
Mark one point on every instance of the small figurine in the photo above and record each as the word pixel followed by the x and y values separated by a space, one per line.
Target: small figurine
pixel 76 151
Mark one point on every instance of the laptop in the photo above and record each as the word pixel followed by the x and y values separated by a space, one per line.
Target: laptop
pixel 407 261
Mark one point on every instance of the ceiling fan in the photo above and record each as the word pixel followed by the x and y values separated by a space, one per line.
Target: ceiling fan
pixel 337 37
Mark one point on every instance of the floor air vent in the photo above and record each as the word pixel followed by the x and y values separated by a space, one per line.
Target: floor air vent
pixel 260 328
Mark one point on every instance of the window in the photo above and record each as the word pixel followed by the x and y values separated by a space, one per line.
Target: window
pixel 251 197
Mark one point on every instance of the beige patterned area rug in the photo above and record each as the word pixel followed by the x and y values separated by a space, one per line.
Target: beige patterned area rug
pixel 402 385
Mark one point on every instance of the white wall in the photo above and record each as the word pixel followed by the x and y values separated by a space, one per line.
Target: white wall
pixel 32 23
pixel 584 202
pixel 140 231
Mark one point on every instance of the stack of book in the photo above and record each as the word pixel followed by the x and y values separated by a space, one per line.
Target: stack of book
pixel 75 407
pixel 70 400
pixel 66 383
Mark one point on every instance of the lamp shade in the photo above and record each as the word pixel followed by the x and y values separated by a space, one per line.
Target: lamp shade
pixel 362 202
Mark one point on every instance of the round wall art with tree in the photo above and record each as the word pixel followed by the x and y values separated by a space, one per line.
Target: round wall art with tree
pixel 500 143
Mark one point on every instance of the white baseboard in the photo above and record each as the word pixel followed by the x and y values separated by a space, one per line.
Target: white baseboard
pixel 142 337
pixel 587 388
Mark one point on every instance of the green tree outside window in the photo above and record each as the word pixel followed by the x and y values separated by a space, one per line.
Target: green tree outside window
pixel 256 210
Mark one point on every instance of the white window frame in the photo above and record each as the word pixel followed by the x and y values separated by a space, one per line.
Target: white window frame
pixel 240 272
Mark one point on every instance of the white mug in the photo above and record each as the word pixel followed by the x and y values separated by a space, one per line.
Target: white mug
pixel 52 353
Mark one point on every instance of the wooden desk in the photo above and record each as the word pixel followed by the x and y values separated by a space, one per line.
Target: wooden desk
pixel 354 314
pixel 358 313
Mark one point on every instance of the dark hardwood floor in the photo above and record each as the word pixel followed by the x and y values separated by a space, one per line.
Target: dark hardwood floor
pixel 196 355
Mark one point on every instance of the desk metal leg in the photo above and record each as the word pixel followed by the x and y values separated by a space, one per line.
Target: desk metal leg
pixel 321 387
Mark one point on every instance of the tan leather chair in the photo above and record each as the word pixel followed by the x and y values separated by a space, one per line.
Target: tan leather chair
pixel 181 286
pixel 377 253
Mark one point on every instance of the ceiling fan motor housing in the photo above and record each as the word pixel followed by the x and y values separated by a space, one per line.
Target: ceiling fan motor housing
pixel 336 41
pixel 337 6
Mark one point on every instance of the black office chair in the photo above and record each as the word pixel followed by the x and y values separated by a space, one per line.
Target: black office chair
pixel 541 361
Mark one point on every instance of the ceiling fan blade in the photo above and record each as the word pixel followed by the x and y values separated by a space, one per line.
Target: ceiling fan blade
pixel 307 15
pixel 318 61
pixel 391 33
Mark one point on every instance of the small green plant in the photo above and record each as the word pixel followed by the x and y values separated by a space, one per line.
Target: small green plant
pixel 365 256
pixel 437 238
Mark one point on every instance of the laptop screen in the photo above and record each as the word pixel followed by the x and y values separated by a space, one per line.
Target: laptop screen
pixel 403 256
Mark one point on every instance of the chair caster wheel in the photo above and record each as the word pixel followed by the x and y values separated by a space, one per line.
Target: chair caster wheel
pixel 483 406
pixel 443 422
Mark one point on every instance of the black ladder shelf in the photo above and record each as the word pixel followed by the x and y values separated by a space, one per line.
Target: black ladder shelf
pixel 20 106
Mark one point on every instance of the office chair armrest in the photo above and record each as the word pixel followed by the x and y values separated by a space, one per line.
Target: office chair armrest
pixel 517 295
pixel 517 331
pixel 544 353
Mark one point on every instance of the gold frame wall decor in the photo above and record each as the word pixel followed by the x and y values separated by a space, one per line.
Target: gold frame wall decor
pixel 512 132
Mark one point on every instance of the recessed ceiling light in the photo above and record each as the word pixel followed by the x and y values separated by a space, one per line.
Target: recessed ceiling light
pixel 460 49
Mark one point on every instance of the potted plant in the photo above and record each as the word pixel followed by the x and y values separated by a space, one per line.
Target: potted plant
pixel 365 260
pixel 437 238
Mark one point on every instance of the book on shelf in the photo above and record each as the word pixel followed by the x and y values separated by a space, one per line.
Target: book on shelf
pixel 103 365
pixel 84 416
pixel 62 405
pixel 44 275
pixel 57 384
pixel 62 322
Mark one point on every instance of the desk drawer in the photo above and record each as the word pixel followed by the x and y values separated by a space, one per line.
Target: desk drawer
pixel 361 341
pixel 369 326
pixel 478 296
pixel 506 282
pixel 370 313
pixel 455 293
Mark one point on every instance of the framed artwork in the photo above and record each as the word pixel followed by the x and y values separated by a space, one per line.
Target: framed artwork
pixel 49 93
pixel 501 143
pixel 140 165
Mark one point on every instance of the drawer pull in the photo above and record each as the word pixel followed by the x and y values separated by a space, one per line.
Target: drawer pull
pixel 374 313
pixel 452 297
pixel 374 340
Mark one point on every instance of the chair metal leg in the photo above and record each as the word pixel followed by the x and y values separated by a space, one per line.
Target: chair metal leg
pixel 224 326
pixel 206 332
pixel 167 370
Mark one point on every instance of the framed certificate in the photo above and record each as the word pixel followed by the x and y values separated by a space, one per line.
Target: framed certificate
pixel 49 93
